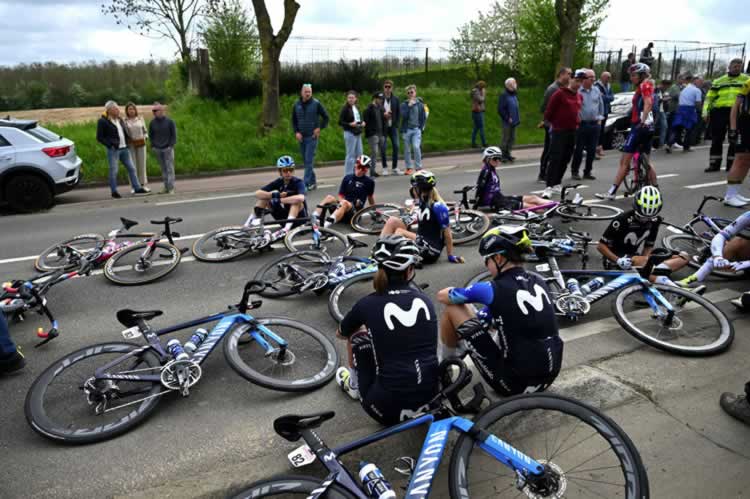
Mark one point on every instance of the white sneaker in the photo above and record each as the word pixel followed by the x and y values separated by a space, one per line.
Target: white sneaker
pixel 734 202
pixel 343 377
pixel 606 196
pixel 557 189
pixel 547 193
pixel 742 198
pixel 386 172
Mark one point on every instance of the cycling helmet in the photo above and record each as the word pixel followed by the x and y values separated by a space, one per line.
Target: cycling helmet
pixel 505 239
pixel 491 153
pixel 423 178
pixel 285 162
pixel 394 252
pixel 364 160
pixel 647 201
pixel 640 68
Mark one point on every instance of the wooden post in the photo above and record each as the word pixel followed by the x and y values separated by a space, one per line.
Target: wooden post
pixel 709 69
pixel 609 61
pixel 674 64
pixel 593 53
pixel 658 66
pixel 199 74
pixel 426 60
pixel 619 63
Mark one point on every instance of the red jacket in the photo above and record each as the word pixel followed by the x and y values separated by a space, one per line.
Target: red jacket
pixel 562 110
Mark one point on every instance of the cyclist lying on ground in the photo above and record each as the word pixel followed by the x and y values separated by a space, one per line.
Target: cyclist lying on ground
pixel 514 340
pixel 622 240
pixel 434 231
pixel 392 339
pixel 285 197
pixel 355 189
pixel 488 192
pixel 728 251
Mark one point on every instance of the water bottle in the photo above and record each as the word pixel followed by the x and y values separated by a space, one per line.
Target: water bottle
pixel 374 483
pixel 175 349
pixel 198 337
pixel 573 287
pixel 592 285
pixel 360 266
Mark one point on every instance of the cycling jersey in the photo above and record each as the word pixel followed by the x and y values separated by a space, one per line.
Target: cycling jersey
pixel 740 223
pixel 433 219
pixel 293 187
pixel 489 192
pixel 643 91
pixel 626 233
pixel 518 344
pixel 356 189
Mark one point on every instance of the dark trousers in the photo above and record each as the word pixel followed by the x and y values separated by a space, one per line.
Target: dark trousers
pixel 390 133
pixel 676 135
pixel 561 146
pixel 587 137
pixel 544 160
pixel 7 346
pixel 477 117
pixel 719 123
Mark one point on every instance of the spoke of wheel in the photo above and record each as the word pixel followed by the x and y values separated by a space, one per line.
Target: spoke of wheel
pixel 591 480
pixel 570 471
pixel 555 452
pixel 588 460
pixel 577 444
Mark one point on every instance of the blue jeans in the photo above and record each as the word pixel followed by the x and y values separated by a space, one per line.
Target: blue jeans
pixel 478 118
pixel 413 146
pixel 307 149
pixel 625 85
pixel 390 133
pixel 353 145
pixel 122 155
pixel 663 128
pixel 6 344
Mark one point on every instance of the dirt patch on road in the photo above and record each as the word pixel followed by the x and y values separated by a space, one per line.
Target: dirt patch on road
pixel 68 114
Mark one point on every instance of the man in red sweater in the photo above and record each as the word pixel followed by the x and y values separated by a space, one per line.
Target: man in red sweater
pixel 562 114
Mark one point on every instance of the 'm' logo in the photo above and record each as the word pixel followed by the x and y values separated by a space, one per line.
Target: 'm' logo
pixel 423 214
pixel 406 317
pixel 633 239
pixel 524 298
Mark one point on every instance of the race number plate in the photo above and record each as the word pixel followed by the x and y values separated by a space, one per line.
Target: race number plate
pixel 301 456
pixel 132 333
pixel 544 267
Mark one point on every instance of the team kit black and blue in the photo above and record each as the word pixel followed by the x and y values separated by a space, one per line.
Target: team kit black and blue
pixel 294 186
pixel 433 218
pixel 356 190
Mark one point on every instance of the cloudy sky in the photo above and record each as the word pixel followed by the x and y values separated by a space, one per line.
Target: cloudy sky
pixel 75 30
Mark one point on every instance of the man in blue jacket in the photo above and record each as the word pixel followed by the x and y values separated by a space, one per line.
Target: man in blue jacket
pixel 309 117
pixel 510 117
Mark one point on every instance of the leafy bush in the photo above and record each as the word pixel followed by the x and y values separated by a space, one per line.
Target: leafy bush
pixel 362 76
pixel 231 37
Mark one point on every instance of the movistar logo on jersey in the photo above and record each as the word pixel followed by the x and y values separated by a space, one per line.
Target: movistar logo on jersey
pixel 536 300
pixel 407 318
pixel 632 238
pixel 424 214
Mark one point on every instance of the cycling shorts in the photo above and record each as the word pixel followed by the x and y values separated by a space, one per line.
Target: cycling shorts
pixel 639 140
pixel 428 250
pixel 501 202
pixel 743 130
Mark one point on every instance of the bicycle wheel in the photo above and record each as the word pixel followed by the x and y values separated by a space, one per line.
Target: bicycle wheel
pixel 55 257
pixel 309 362
pixel 584 452
pixel 288 273
pixel 480 277
pixel 331 243
pixel 223 244
pixel 592 212
pixel 698 328
pixel 127 266
pixel 291 486
pixel 58 408
pixel 699 250
pixel 471 225
pixel 372 219
pixel 347 293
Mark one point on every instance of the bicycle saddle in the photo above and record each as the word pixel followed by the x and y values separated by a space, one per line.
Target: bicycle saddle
pixel 289 426
pixel 128 223
pixel 130 318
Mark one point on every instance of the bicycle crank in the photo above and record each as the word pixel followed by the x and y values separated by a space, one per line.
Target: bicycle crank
pixel 180 375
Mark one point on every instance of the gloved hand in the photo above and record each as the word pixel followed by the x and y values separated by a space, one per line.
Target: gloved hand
pixel 625 262
pixel 455 259
pixel 721 263
pixel 740 266
pixel 732 137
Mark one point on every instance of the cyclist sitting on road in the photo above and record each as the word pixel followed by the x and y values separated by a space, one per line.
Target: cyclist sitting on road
pixel 355 189
pixel 641 134
pixel 621 242
pixel 392 339
pixel 433 231
pixel 488 193
pixel 285 197
pixel 727 251
pixel 514 339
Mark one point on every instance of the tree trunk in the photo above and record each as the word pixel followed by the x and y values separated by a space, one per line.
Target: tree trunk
pixel 568 46
pixel 270 71
pixel 568 14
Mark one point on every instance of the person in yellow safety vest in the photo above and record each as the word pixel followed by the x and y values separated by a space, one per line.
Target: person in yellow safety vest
pixel 716 109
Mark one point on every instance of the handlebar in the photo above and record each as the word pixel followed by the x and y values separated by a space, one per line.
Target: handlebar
pixel 167 221
pixel 452 388
pixel 252 287
pixel 465 189
pixel 705 200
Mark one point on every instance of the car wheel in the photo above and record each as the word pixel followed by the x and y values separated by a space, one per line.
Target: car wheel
pixel 28 193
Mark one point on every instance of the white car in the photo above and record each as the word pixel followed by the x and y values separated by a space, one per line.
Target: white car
pixel 35 165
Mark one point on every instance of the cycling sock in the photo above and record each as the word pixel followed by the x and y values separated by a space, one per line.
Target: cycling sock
pixel 662 279
pixel 329 221
pixel 612 189
pixel 288 226
pixel 705 270
pixel 258 211
pixel 446 352
pixel 353 382
pixel 250 220
pixel 733 188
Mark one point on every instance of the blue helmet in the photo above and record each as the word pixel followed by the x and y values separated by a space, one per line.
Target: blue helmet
pixel 285 162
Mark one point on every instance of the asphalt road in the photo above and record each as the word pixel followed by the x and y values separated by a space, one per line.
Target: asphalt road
pixel 221 436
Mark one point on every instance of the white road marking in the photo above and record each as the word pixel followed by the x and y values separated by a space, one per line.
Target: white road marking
pixel 708 184
pixel 570 190
pixel 212 198
pixel 525 165
pixel 19 259
pixel 667 175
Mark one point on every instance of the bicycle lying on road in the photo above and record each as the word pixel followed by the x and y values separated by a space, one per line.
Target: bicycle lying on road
pixel 104 390
pixel 537 446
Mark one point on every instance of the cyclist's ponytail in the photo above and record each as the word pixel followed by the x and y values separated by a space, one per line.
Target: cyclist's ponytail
pixel 380 282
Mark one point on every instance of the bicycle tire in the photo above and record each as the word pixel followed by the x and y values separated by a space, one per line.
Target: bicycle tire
pixel 471 226
pixel 201 247
pixel 41 263
pixel 724 338
pixel 309 382
pixel 698 249
pixel 162 269
pixel 480 277
pixel 289 485
pixel 573 211
pixel 359 223
pixel 627 460
pixel 296 240
pixel 334 307
pixel 308 257
pixel 40 422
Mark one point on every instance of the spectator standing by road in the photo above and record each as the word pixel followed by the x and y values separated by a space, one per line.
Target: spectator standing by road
pixel 562 114
pixel 607 97
pixel 510 118
pixel 137 134
pixel 392 108
pixel 647 56
pixel 478 104
pixel 375 130
pixel 563 80
pixel 686 116
pixel 625 72
pixel 591 116
pixel 673 102
pixel 309 117
pixel 112 134
pixel 413 119
pixel 351 121
pixel 162 133
pixel 716 108
pixel 663 102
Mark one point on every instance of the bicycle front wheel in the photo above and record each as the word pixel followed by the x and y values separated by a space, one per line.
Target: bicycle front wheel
pixel 58 407
pixel 222 244
pixel 699 250
pixel 698 327
pixel 372 219
pixel 584 452
pixel 593 212
pixel 292 486
pixel 331 242
pixel 130 267
pixel 286 275
pixel 471 225
pixel 308 362
pixel 55 257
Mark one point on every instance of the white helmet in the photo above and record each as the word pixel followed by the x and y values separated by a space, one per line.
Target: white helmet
pixel 647 201
pixel 395 252
pixel 492 152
